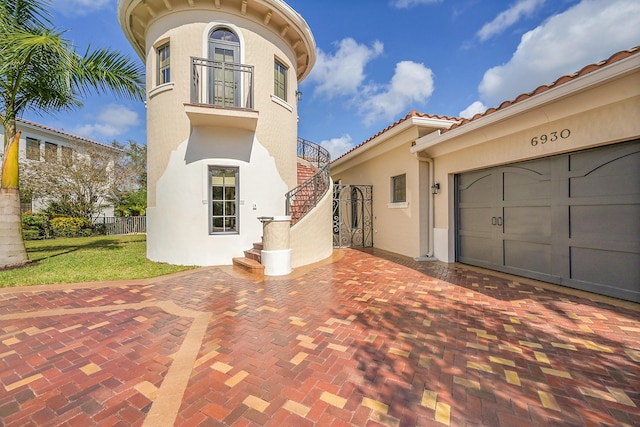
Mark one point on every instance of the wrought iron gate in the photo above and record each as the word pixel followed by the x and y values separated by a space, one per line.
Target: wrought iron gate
pixel 352 216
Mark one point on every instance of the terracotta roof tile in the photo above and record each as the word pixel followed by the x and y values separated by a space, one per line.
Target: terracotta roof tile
pixel 618 56
pixel 65 134
pixel 412 113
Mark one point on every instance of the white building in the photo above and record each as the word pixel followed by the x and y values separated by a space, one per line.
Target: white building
pixel 222 127
pixel 39 143
pixel 545 186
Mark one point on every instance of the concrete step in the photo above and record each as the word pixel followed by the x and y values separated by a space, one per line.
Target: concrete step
pixel 254 254
pixel 248 265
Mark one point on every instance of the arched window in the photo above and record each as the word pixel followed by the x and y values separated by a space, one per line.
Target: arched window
pixel 224 52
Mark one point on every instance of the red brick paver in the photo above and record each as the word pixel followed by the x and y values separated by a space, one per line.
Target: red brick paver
pixel 369 339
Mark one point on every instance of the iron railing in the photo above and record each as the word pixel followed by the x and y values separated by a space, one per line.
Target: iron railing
pixel 221 84
pixel 306 196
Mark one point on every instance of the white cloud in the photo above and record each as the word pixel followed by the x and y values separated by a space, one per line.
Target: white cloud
pixel 337 146
pixel 508 17
pixel 589 32
pixel 412 83
pixel 80 7
pixel 405 4
pixel 342 75
pixel 473 109
pixel 115 120
pixel 343 72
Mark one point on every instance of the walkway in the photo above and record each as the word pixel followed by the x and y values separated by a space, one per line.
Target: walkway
pixel 364 339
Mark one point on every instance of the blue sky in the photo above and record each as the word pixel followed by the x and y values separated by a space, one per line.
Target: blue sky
pixel 380 59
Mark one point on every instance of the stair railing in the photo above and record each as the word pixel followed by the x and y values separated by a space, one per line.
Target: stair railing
pixel 302 199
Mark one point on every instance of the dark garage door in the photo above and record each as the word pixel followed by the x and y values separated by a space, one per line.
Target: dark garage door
pixel 572 219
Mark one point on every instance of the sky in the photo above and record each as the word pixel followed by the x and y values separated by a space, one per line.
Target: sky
pixel 377 60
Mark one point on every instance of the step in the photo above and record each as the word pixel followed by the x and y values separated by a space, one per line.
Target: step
pixel 254 254
pixel 248 265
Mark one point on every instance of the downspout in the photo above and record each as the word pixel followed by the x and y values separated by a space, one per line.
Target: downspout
pixel 431 209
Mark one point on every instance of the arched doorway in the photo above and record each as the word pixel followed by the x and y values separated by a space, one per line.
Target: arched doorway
pixel 224 78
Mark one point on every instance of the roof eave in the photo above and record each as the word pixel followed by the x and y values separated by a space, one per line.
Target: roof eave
pixel 592 79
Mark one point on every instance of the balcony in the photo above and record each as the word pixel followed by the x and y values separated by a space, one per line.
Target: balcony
pixel 221 95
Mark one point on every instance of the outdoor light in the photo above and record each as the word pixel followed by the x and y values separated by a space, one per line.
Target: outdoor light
pixel 298 95
pixel 435 188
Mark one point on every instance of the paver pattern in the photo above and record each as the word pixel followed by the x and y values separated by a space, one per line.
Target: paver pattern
pixel 367 338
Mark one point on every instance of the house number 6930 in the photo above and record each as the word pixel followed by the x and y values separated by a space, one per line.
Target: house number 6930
pixel 551 137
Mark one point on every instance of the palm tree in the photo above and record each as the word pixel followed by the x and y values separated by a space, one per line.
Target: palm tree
pixel 40 70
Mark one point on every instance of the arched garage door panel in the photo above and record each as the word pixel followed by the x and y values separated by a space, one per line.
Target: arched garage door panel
pixel 572 219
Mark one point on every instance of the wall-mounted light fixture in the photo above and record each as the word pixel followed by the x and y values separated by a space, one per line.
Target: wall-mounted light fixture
pixel 298 95
pixel 435 188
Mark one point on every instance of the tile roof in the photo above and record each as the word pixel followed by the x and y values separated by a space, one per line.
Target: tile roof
pixel 412 113
pixel 65 134
pixel 564 79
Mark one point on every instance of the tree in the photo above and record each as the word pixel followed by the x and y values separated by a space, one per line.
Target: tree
pixel 41 70
pixel 130 199
pixel 79 185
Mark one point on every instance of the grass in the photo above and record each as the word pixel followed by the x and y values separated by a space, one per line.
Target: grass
pixel 86 259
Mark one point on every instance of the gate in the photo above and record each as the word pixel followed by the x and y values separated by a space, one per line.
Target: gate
pixel 352 216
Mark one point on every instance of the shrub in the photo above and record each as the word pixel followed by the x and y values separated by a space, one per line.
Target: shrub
pixel 71 227
pixel 35 227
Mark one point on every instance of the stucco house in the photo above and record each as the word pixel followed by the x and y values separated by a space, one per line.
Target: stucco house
pixel 223 153
pixel 545 186
pixel 40 143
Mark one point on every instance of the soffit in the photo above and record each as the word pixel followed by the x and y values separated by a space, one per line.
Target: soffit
pixel 135 16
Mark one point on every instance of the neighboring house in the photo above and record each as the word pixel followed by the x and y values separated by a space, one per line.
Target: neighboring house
pixel 545 186
pixel 39 143
pixel 222 129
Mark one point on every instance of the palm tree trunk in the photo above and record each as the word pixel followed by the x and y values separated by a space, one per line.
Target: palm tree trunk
pixel 12 250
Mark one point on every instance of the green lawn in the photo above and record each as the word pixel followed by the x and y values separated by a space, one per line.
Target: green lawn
pixel 85 259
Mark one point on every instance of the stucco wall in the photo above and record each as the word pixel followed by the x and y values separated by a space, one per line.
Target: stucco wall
pixel 311 239
pixel 167 124
pixel 398 227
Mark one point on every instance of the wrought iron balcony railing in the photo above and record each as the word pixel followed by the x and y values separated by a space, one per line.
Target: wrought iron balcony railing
pixel 221 84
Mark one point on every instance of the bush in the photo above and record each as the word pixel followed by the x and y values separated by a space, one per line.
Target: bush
pixel 71 227
pixel 35 227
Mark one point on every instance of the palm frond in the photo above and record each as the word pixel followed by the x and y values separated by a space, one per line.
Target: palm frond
pixel 109 71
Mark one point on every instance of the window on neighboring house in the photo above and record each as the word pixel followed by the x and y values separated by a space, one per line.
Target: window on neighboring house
pixel 50 152
pixel 164 69
pixel 33 149
pixel 399 189
pixel 67 155
pixel 224 199
pixel 280 80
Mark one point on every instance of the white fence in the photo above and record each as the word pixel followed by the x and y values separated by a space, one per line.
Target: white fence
pixel 123 225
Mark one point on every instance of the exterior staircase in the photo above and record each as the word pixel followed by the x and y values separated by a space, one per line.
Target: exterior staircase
pixel 313 182
pixel 251 261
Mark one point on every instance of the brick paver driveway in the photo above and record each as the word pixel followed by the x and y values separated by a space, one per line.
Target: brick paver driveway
pixel 363 339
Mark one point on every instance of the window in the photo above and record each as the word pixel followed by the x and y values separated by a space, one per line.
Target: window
pixel 33 149
pixel 67 155
pixel 280 80
pixel 399 189
pixel 164 69
pixel 224 200
pixel 50 152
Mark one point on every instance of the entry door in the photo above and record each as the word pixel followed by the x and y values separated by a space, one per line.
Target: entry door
pixel 572 219
pixel 224 78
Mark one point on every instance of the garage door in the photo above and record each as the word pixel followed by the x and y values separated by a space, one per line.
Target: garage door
pixel 572 219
